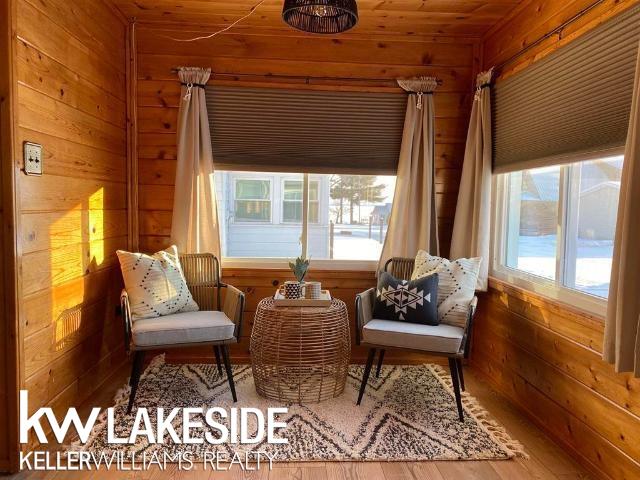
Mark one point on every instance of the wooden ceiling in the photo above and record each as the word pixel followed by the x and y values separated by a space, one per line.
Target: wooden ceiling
pixel 469 18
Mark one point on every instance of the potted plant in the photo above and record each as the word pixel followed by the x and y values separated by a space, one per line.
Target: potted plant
pixel 299 269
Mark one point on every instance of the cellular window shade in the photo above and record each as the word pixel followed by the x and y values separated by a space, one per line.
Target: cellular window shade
pixel 273 129
pixel 574 104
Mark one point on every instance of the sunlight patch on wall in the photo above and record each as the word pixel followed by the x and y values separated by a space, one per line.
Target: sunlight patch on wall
pixel 96 227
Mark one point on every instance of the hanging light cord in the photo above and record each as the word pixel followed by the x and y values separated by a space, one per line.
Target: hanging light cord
pixel 211 35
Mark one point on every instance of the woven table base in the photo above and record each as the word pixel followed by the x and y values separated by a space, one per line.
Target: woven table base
pixel 300 354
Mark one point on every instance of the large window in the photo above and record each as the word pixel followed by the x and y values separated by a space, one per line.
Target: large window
pixel 556 225
pixel 261 215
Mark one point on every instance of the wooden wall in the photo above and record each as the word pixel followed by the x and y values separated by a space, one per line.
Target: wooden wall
pixel 533 19
pixel 71 97
pixel 8 349
pixel 262 56
pixel 544 355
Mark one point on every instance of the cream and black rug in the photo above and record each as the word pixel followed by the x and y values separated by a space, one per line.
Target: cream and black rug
pixel 409 413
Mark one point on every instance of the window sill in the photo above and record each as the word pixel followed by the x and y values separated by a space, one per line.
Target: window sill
pixel 565 298
pixel 283 263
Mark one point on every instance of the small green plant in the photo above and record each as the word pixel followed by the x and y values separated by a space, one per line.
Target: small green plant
pixel 299 268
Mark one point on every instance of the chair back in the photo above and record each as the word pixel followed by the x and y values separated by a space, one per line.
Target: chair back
pixel 400 267
pixel 202 273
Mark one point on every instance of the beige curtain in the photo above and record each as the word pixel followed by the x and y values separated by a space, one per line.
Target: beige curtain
pixel 195 219
pixel 622 325
pixel 472 223
pixel 413 221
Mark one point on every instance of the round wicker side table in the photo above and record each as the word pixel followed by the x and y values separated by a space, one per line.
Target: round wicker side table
pixel 300 354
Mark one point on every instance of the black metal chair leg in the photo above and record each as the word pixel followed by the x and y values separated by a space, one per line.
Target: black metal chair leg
pixel 380 359
pixel 216 351
pixel 227 366
pixel 136 371
pixel 367 371
pixel 460 374
pixel 453 367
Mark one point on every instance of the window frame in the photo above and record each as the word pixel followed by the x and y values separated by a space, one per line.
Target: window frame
pixel 235 199
pixel 555 289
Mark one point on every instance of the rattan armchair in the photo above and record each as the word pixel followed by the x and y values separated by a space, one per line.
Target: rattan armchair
pixel 202 273
pixel 443 340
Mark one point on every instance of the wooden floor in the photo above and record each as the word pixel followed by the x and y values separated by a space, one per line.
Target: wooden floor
pixel 547 460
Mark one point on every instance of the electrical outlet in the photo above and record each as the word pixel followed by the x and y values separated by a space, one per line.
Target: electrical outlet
pixel 32 158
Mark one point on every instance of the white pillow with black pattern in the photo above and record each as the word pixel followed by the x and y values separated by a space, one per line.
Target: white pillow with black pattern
pixel 155 284
pixel 456 284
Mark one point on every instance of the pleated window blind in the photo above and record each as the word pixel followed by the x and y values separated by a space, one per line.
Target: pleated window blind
pixel 274 129
pixel 573 104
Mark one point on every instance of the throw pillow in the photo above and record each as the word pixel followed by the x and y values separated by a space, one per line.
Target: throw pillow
pixel 456 284
pixel 400 300
pixel 155 283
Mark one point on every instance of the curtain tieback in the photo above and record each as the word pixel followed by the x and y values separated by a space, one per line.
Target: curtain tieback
pixel 479 89
pixel 420 86
pixel 187 96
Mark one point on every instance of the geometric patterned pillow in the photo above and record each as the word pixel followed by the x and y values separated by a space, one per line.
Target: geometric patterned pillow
pixel 155 283
pixel 456 284
pixel 403 301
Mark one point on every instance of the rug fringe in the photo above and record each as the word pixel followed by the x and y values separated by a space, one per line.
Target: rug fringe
pixel 472 406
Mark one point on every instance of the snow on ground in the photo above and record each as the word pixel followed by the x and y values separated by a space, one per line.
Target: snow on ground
pixel 356 244
pixel 537 255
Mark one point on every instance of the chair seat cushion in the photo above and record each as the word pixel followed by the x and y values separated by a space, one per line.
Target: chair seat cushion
pixel 431 338
pixel 179 328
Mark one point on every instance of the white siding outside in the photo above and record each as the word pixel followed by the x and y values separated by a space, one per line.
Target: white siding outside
pixel 274 238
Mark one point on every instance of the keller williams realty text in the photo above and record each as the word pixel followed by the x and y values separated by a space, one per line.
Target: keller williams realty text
pixel 87 461
pixel 221 426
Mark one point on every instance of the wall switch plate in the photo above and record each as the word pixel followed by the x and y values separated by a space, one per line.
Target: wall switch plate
pixel 32 158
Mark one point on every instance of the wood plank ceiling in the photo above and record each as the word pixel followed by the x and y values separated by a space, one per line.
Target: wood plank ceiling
pixel 468 18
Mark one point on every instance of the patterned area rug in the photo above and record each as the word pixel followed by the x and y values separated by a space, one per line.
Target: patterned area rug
pixel 407 414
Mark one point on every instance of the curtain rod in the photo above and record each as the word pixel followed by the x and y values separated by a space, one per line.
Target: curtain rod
pixel 547 35
pixel 307 78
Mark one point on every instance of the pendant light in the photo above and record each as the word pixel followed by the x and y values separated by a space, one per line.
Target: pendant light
pixel 321 16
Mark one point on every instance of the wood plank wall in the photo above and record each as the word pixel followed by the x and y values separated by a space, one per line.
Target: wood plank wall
pixel 8 349
pixel 532 20
pixel 544 355
pixel 71 98
pixel 262 58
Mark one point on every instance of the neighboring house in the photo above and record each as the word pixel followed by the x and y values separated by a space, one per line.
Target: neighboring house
pixel 539 203
pixel 599 194
pixel 595 173
pixel 598 211
pixel 381 212
pixel 262 212
pixel 598 200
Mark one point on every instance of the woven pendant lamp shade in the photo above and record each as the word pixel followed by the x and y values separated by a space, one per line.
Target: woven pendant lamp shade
pixel 320 16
